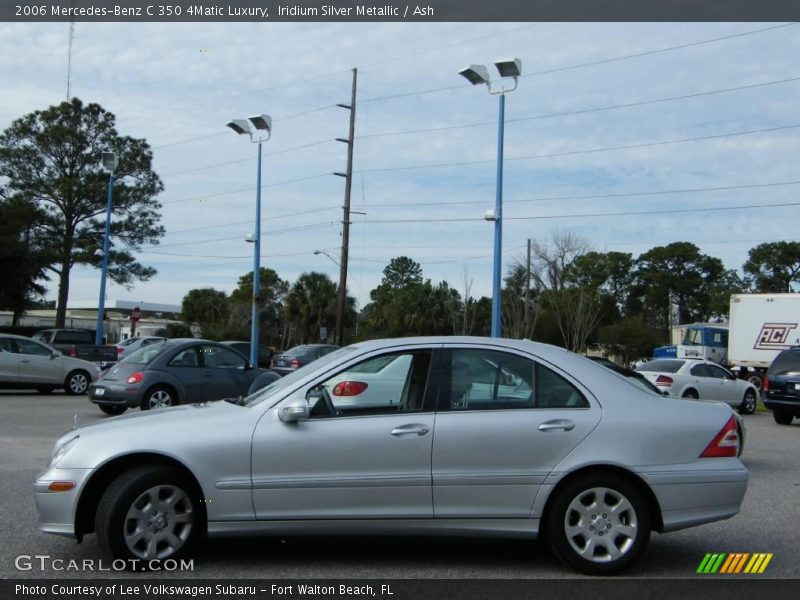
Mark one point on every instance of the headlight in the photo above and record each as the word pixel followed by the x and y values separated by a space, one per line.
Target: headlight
pixel 62 450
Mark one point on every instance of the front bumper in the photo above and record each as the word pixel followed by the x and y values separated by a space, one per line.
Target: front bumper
pixel 57 510
pixel 115 394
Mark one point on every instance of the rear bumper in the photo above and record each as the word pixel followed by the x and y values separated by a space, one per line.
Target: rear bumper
pixel 115 395
pixel 787 403
pixel 702 494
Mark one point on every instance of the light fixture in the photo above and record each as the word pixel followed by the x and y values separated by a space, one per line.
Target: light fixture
pixel 240 126
pixel 262 122
pixel 109 161
pixel 250 238
pixel 475 74
pixel 511 67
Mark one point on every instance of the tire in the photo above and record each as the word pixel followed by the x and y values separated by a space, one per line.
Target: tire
pixel 45 390
pixel 112 409
pixel 691 394
pixel 757 382
pixel 749 402
pixel 782 417
pixel 584 538
pixel 77 382
pixel 147 513
pixel 159 396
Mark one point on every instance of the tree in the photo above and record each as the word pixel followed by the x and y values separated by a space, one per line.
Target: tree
pixel 677 273
pixel 311 305
pixel 552 259
pixel 271 298
pixel 205 306
pixel 401 272
pixel 577 311
pixel 518 322
pixel 611 272
pixel 630 338
pixel 774 266
pixel 399 302
pixel 23 257
pixel 175 330
pixel 52 158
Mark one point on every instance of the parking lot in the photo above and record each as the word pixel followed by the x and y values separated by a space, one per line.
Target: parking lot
pixel 768 521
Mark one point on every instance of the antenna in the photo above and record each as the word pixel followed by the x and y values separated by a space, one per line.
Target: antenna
pixel 69 52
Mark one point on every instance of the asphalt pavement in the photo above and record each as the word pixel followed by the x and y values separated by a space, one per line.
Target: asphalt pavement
pixel 30 423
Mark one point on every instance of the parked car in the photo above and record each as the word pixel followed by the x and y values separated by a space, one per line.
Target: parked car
pixel 299 356
pixel 27 364
pixel 131 345
pixel 173 372
pixel 573 452
pixel 701 379
pixel 77 343
pixel 782 386
pixel 264 352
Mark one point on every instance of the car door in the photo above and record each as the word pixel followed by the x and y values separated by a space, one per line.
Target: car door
pixel 729 388
pixel 37 363
pixel 187 367
pixel 9 361
pixel 503 422
pixel 361 461
pixel 228 376
pixel 707 385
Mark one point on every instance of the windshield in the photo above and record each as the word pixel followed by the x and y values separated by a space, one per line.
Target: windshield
pixel 146 355
pixel 294 376
pixel 694 337
pixel 127 342
pixel 662 366
pixel 787 363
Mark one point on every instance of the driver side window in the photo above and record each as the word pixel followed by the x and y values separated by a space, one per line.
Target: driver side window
pixel 385 384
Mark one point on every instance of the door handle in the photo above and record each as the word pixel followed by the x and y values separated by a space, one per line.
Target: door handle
pixel 564 424
pixel 413 429
pixel 24 361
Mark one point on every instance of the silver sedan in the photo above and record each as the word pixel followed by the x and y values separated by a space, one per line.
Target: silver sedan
pixel 487 437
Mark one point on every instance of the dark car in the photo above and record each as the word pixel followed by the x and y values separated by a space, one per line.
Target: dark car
pixel 299 356
pixel 264 352
pixel 173 372
pixel 77 343
pixel 782 386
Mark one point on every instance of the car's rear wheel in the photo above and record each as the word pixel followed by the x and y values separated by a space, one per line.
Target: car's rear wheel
pixel 691 394
pixel 782 417
pixel 149 513
pixel 748 405
pixel 112 410
pixel 159 396
pixel 599 524
pixel 76 383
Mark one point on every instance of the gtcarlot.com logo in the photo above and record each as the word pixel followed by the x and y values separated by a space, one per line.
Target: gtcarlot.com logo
pixel 731 563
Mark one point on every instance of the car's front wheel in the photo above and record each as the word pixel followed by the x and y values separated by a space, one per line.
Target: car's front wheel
pixel 159 396
pixel 599 524
pixel 149 513
pixel 77 383
pixel 748 405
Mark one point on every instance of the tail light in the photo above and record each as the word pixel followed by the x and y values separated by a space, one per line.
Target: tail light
pixel 349 388
pixel 120 349
pixel 136 377
pixel 766 384
pixel 725 443
pixel 663 380
pixel 295 363
pixel 73 352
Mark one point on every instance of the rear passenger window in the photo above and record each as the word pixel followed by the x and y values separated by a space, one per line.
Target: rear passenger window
pixel 491 380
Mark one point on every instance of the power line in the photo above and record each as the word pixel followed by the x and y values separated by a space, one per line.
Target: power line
pixel 591 63
pixel 249 159
pixel 585 151
pixel 583 215
pixel 238 237
pixel 249 221
pixel 249 189
pixel 595 196
pixel 582 111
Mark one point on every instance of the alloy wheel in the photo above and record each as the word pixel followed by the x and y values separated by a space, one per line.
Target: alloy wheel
pixel 601 525
pixel 159 522
pixel 160 399
pixel 78 383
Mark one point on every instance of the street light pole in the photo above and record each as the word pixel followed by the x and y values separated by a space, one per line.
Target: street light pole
pixel 479 75
pixel 262 123
pixel 110 164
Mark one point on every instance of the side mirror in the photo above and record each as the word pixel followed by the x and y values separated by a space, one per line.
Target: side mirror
pixel 55 354
pixel 294 411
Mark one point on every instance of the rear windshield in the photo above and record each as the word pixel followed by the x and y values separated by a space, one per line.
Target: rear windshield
pixel 785 363
pixel 127 342
pixel 144 356
pixel 662 366
pixel 298 351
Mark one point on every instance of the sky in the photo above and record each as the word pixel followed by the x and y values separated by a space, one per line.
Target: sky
pixel 604 121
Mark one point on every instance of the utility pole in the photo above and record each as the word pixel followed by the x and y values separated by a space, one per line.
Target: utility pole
pixel 527 285
pixel 342 295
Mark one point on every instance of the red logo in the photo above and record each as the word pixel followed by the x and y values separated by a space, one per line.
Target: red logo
pixel 773 336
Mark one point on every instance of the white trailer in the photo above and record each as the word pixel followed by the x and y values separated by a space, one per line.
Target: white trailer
pixel 759 327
